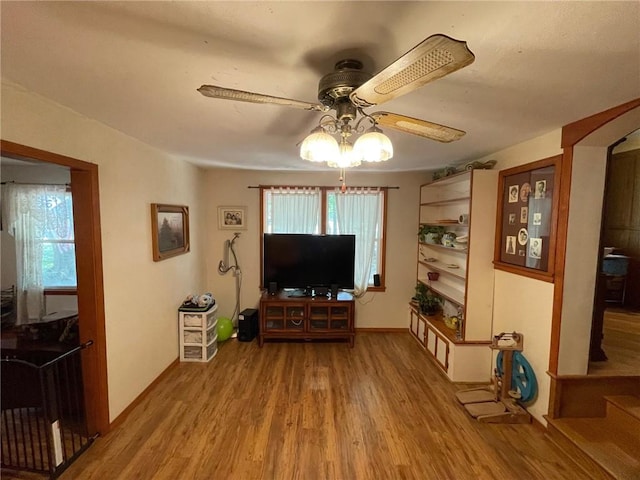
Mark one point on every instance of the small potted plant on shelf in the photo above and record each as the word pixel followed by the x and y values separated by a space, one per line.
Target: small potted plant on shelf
pixel 427 302
pixel 430 233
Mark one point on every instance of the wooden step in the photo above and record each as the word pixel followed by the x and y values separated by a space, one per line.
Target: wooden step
pixel 624 410
pixel 604 442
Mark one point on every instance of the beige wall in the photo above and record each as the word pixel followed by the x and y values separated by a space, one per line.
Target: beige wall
pixel 229 187
pixel 141 296
pixel 581 261
pixel 521 303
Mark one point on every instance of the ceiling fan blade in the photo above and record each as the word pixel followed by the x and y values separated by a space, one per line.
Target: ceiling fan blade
pixel 214 91
pixel 422 128
pixel 435 57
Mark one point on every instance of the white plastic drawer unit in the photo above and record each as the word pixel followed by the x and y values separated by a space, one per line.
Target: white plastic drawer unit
pixel 198 335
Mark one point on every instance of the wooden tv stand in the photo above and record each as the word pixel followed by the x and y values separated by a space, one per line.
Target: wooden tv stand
pixel 306 318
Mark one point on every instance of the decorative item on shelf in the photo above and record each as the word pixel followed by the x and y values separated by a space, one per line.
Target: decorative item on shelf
pixel 444 172
pixel 433 276
pixel 428 303
pixel 461 242
pixel 488 165
pixel 430 233
pixel 451 322
pixel 448 239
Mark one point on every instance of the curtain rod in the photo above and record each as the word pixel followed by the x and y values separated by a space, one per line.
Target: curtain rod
pixel 37 183
pixel 320 186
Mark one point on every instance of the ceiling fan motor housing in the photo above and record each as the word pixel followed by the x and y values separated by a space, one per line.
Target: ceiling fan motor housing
pixel 337 85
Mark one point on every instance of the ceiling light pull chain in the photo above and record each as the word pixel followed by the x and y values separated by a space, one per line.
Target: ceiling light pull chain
pixel 343 179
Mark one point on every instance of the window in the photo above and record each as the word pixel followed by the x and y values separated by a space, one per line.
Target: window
pixel 358 211
pixel 57 242
pixel 40 218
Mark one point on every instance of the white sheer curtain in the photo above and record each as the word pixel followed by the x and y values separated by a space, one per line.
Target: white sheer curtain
pixel 32 213
pixel 293 210
pixel 358 212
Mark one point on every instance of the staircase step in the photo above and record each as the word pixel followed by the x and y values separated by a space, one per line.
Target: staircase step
pixel 629 404
pixel 624 411
pixel 613 446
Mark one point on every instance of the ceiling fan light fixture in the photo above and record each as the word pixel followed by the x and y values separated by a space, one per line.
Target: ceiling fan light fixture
pixel 319 146
pixel 374 146
pixel 347 157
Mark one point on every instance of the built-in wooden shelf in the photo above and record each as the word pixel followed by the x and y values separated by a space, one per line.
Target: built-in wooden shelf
pixel 442 268
pixel 450 293
pixel 447 201
pixel 442 247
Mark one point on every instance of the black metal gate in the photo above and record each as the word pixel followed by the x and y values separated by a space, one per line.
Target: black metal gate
pixel 44 427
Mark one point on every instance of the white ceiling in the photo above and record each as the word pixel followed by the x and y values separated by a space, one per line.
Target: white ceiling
pixel 135 66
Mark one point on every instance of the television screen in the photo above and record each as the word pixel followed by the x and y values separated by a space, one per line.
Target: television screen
pixel 301 260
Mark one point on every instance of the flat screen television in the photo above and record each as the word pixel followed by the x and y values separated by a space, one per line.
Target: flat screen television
pixel 303 261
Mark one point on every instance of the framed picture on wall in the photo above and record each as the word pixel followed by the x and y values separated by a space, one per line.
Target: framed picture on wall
pixel 169 230
pixel 530 194
pixel 232 218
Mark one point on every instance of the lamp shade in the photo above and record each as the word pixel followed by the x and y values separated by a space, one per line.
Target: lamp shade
pixel 346 158
pixel 319 146
pixel 374 146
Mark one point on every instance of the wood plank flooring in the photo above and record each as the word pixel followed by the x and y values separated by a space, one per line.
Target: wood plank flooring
pixel 381 410
pixel 621 344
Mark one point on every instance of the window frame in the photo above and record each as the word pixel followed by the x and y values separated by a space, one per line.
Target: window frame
pixel 323 225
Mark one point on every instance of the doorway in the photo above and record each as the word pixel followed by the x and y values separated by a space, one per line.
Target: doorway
pixel 90 292
pixel 615 334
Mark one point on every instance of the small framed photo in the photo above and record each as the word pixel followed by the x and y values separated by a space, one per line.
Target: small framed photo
pixel 535 248
pixel 169 230
pixel 541 189
pixel 232 218
pixel 521 253
pixel 512 219
pixel 525 191
pixel 537 218
pixel 524 214
pixel 523 236
pixel 511 245
pixel 513 193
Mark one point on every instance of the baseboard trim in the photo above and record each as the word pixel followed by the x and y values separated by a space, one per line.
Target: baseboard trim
pixel 125 413
pixel 382 330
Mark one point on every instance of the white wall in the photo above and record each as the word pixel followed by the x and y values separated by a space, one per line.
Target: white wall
pixel 141 296
pixel 375 310
pixel 581 261
pixel 523 304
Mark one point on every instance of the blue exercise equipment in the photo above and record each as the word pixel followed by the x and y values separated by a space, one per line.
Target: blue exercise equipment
pixel 523 378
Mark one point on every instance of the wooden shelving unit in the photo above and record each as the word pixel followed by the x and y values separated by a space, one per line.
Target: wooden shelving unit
pixel 465 274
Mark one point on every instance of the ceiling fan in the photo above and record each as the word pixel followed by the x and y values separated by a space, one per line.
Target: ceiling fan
pixel 348 90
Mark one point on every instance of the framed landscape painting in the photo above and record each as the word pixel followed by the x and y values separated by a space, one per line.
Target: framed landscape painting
pixel 169 230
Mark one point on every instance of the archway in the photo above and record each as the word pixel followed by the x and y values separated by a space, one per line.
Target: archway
pixel 585 145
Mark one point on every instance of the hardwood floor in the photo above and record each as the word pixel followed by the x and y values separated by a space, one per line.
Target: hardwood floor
pixel 381 410
pixel 620 342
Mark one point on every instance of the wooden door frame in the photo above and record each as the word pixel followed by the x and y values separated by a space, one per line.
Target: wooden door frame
pixel 90 288
pixel 572 135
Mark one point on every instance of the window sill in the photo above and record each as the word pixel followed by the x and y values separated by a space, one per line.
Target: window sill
pixel 372 288
pixel 61 291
